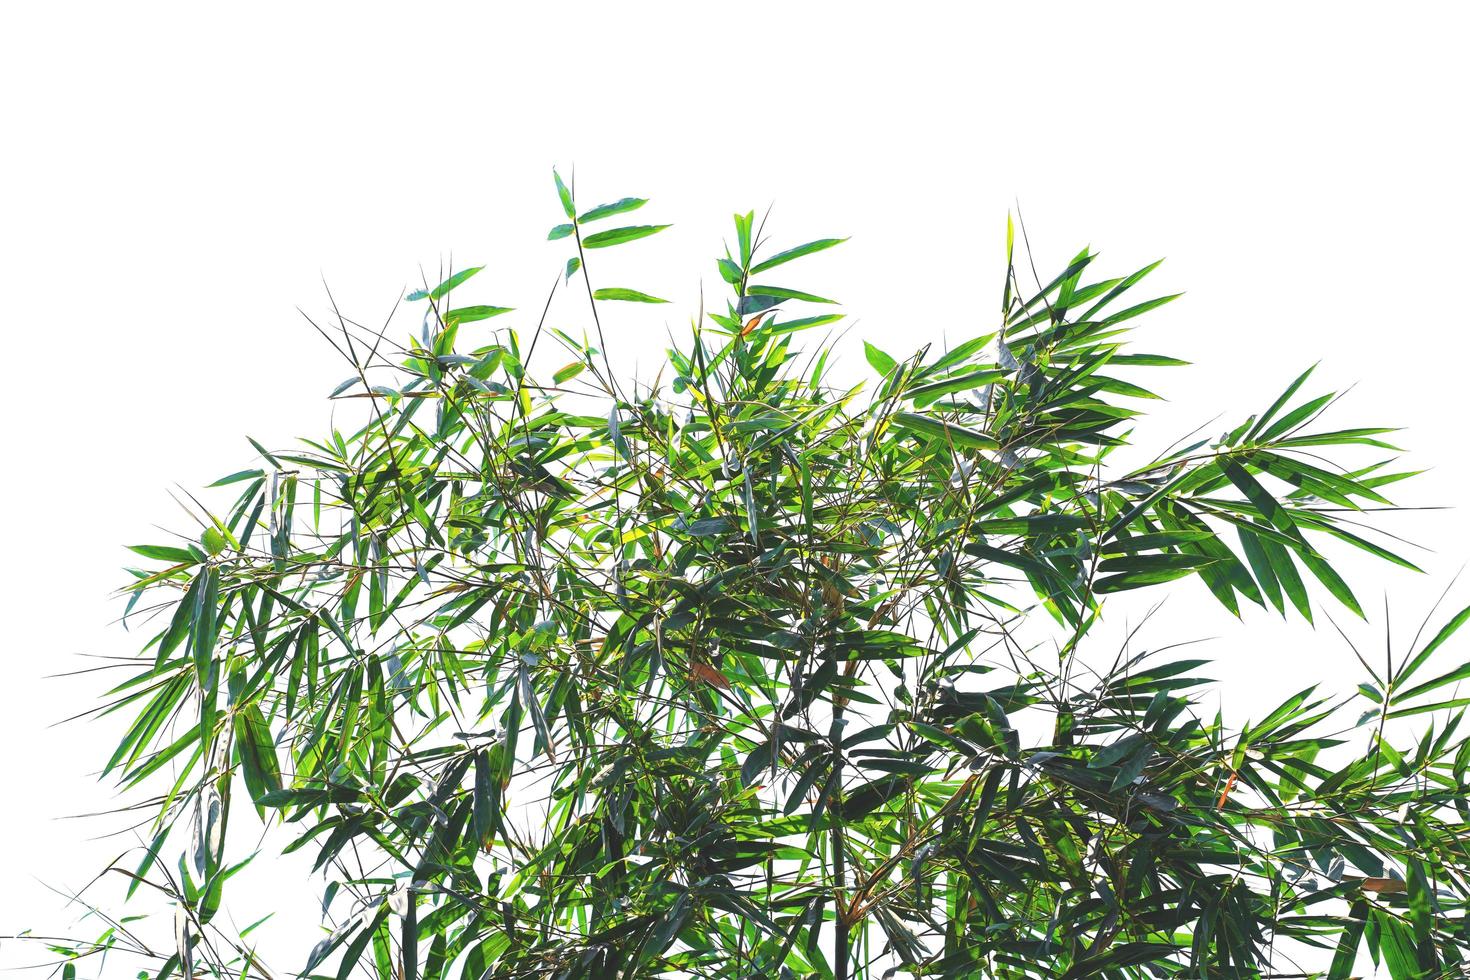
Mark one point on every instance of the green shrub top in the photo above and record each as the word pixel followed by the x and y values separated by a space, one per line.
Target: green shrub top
pixel 564 675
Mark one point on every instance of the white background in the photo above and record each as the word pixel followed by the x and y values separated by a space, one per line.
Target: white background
pixel 177 180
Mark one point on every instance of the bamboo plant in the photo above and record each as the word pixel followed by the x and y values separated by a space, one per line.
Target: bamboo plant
pixel 757 669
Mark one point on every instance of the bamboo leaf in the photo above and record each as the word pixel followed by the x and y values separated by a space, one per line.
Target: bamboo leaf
pixel 469 314
pixel 257 752
pixel 949 432
pixel 444 288
pixel 565 195
pixel 781 258
pixel 617 236
pixel 617 207
pixel 626 295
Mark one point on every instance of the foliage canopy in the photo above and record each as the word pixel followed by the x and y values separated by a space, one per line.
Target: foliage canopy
pixel 723 676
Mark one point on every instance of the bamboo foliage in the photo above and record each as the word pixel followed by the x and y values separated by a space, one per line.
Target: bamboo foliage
pixel 722 676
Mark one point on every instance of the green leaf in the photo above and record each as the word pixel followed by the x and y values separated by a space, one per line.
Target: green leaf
pixel 487 814
pixel 626 295
pixel 560 231
pixel 484 954
pixel 160 552
pixel 779 292
pixel 949 432
pixel 1140 309
pixel 1122 954
pixel 469 314
pixel 1458 674
pixel 149 857
pixel 1421 917
pixel 1445 632
pixel 880 361
pixel 802 323
pixel 565 195
pixel 264 453
pixel 1297 416
pixel 244 474
pixel 928 393
pixel 1397 944
pixel 1123 581
pixel 1347 944
pixel 1134 543
pixel 1281 401
pixel 755 304
pixel 1260 565
pixel 743 225
pixel 183 618
pixel 1123 286
pixel 1153 563
pixel 1286 573
pixel 781 258
pixel 441 290
pixel 257 752
pixel 1264 502
pixel 617 207
pixel 1334 583
pixel 617 236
